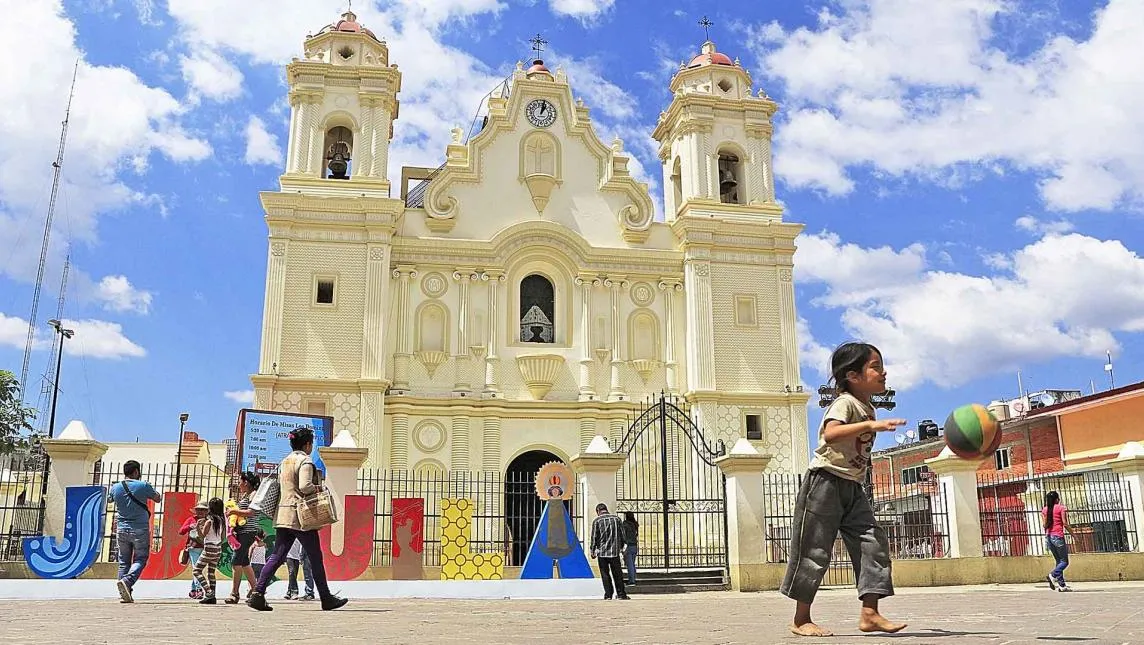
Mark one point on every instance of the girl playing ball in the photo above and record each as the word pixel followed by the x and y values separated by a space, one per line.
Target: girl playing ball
pixel 832 499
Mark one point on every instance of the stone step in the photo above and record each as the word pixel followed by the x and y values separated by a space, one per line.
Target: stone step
pixel 672 588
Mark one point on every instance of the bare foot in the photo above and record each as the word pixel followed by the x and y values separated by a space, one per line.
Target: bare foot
pixel 810 629
pixel 875 622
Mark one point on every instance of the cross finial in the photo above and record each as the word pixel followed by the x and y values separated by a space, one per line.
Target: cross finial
pixel 706 24
pixel 538 44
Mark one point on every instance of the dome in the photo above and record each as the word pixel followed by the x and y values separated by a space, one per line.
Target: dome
pixel 348 24
pixel 538 66
pixel 709 56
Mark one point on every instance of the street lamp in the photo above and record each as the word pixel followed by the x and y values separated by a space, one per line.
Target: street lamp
pixel 885 400
pixel 179 455
pixel 64 335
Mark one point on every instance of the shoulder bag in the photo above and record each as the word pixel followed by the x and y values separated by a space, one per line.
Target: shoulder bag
pixel 316 509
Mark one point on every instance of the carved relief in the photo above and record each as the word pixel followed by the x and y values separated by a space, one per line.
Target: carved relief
pixel 278 249
pixel 642 294
pixel 434 285
pixel 429 436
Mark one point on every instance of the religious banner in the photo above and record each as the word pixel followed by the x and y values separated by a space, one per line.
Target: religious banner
pixel 555 540
pixel 408 538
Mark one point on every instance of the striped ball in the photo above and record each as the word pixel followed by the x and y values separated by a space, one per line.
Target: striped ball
pixel 972 432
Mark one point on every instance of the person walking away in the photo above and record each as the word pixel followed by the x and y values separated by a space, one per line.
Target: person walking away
pixel 607 542
pixel 297 477
pixel 212 527
pixel 832 499
pixel 245 531
pixel 258 554
pixel 133 527
pixel 194 544
pixel 631 544
pixel 294 560
pixel 1056 522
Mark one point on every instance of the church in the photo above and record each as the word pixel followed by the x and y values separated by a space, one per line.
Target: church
pixel 508 306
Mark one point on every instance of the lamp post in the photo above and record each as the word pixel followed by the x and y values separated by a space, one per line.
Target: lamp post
pixel 64 335
pixel 179 455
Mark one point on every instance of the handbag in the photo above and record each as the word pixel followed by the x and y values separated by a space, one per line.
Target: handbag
pixel 316 509
pixel 265 499
pixel 184 556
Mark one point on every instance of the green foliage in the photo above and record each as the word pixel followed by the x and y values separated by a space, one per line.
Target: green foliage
pixel 15 419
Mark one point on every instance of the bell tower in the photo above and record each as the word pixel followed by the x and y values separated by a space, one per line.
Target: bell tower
pixel 343 99
pixel 742 368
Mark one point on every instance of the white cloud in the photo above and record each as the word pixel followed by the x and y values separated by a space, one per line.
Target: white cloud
pixel 242 397
pixel 811 353
pixel 920 89
pixel 1030 224
pixel 211 75
pixel 1062 295
pixel 93 338
pixel 580 8
pixel 118 294
pixel 261 146
pixel 14 333
pixel 117 123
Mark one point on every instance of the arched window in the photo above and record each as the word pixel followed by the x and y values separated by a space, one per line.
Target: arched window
pixel 537 310
pixel 730 178
pixel 677 184
pixel 432 328
pixel 336 152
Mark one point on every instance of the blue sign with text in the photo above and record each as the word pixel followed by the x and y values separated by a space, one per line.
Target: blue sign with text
pixel 264 438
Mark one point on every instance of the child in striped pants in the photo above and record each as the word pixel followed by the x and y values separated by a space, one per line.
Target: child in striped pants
pixel 211 529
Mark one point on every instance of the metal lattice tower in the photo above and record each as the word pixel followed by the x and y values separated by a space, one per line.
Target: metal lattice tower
pixel 57 167
pixel 48 384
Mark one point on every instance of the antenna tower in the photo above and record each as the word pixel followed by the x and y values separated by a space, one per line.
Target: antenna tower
pixel 57 167
pixel 48 383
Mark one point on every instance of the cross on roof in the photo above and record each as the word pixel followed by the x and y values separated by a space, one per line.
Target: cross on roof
pixel 706 24
pixel 538 44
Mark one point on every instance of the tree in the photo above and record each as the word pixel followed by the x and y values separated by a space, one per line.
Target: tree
pixel 15 419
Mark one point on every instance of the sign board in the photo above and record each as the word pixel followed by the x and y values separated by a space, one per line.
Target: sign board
pixel 263 438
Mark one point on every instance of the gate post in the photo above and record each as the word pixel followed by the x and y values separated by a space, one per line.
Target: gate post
pixel 596 470
pixel 73 455
pixel 343 459
pixel 1129 466
pixel 746 515
pixel 957 478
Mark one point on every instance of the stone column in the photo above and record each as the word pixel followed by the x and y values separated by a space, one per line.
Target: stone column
pixel 587 431
pixel 459 444
pixel 670 287
pixel 399 445
pixel 595 470
pixel 768 169
pixel 311 137
pixel 401 354
pixel 495 278
pixel 617 284
pixel 746 515
pixel 292 139
pixel 379 148
pixel 1129 465
pixel 376 310
pixel 788 334
pixel 270 353
pixel 700 341
pixel 343 460
pixel 586 282
pixel 73 457
pixel 616 429
pixel 491 445
pixel 363 140
pixel 957 479
pixel 462 357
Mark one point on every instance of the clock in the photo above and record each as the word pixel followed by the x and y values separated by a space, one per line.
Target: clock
pixel 540 113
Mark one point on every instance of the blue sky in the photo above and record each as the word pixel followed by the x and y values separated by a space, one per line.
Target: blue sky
pixel 970 175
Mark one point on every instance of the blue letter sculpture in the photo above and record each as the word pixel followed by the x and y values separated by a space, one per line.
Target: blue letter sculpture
pixel 555 539
pixel 82 533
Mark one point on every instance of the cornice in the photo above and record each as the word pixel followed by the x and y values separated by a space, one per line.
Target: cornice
pixel 758 399
pixel 507 408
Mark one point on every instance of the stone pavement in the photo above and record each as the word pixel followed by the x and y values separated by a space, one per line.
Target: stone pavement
pixel 1095 614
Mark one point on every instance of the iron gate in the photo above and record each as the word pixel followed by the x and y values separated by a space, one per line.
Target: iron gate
pixel 677 493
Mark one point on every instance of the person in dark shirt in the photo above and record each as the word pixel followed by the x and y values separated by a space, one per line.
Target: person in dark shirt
pixel 606 546
pixel 133 527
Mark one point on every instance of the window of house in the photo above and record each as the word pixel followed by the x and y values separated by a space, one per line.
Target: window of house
pixel 1003 458
pixel 913 475
pixel 755 427
pixel 537 310
pixel 324 292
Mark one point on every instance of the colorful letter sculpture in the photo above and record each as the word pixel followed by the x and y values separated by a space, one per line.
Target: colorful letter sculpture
pixel 79 547
pixel 408 538
pixel 555 538
pixel 357 543
pixel 164 563
pixel 457 561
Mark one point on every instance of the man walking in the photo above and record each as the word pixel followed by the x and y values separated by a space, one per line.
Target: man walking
pixel 133 526
pixel 607 545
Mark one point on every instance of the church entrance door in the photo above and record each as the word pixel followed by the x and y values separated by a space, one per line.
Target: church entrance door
pixel 677 493
pixel 522 507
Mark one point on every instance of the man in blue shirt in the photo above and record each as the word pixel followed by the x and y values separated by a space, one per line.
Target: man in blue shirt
pixel 133 526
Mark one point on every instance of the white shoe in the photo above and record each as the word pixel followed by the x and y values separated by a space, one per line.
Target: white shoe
pixel 124 592
pixel 1052 583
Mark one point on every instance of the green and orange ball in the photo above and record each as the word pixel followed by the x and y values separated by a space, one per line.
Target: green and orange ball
pixel 972 432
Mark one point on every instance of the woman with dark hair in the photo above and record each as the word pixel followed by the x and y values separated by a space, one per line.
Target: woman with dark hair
pixel 245 531
pixel 1056 521
pixel 297 477
pixel 631 544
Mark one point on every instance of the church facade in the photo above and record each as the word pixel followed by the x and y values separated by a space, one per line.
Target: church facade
pixel 523 298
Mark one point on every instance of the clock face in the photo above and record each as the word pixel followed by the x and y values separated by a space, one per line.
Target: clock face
pixel 540 113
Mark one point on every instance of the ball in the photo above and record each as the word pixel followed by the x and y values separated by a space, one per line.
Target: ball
pixel 972 432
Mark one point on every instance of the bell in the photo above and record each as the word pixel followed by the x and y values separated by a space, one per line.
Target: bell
pixel 338 166
pixel 727 181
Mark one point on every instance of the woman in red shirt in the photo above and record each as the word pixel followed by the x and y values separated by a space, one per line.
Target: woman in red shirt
pixel 1055 518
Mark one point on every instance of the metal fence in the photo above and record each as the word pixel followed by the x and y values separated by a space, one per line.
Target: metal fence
pixel 1099 507
pixel 204 480
pixel 21 503
pixel 506 510
pixel 915 517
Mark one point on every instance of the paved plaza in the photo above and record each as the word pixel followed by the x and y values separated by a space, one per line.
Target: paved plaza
pixel 1095 614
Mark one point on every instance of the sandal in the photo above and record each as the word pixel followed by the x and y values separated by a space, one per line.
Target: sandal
pixel 232 599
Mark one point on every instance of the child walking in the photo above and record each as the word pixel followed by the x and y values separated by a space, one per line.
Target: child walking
pixel 211 529
pixel 832 500
pixel 1056 520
